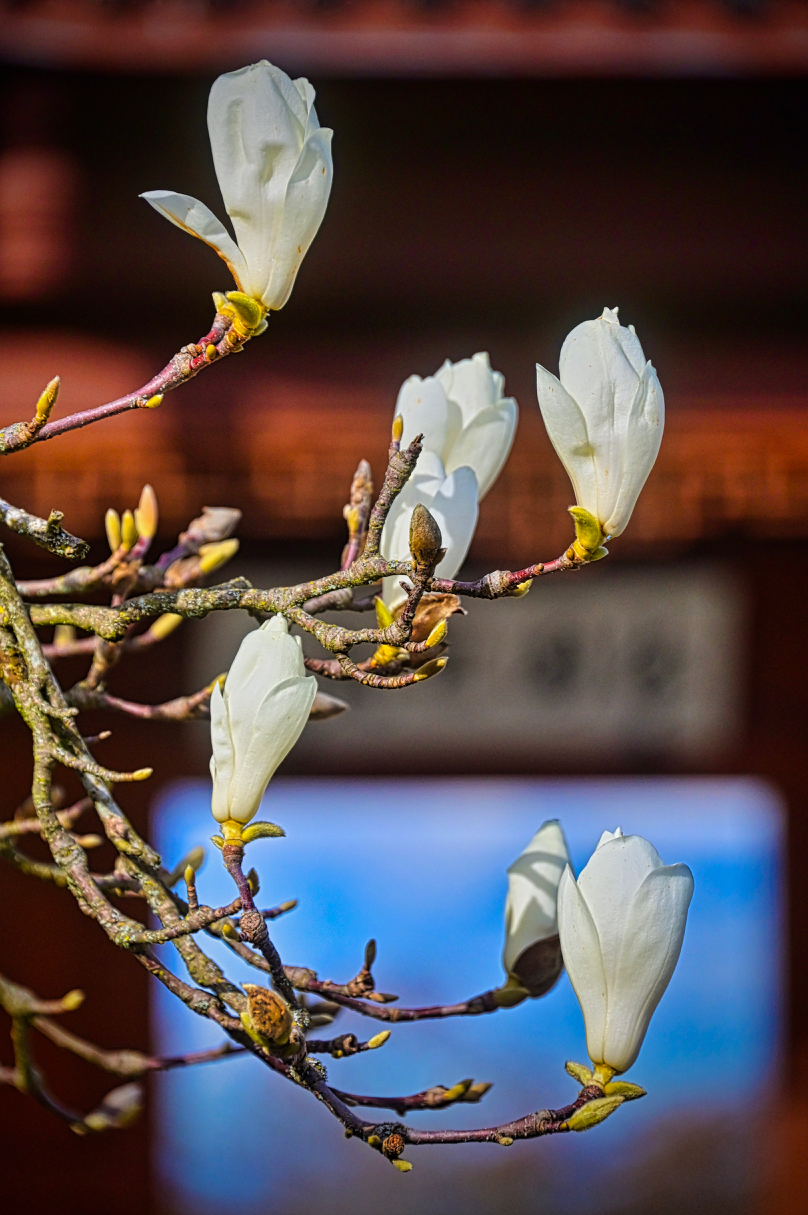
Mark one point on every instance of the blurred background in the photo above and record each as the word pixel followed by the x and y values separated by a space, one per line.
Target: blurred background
pixel 502 172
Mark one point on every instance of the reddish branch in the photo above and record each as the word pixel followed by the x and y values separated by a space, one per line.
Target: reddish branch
pixel 215 345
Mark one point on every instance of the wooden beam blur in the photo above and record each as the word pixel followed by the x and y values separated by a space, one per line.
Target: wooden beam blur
pixel 380 37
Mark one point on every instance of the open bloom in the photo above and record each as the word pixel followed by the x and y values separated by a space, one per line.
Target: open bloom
pixel 468 428
pixel 604 416
pixel 621 926
pixel 258 718
pixel 273 163
pixel 532 956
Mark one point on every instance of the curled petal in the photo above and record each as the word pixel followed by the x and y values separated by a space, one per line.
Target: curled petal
pixel 193 216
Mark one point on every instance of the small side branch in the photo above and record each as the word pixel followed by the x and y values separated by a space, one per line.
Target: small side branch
pixel 215 345
pixel 47 533
pixel 437 1098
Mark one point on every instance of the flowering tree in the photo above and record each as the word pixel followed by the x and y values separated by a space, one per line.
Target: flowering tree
pixel 618 928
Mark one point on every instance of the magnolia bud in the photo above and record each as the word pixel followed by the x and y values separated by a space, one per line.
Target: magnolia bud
pixel 47 401
pixel 270 1015
pixel 425 537
pixel 128 530
pixel 147 513
pixel 112 525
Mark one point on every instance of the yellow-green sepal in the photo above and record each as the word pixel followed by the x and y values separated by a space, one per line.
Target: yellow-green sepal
pixel 248 313
pixel 624 1089
pixel 592 1113
pixel 578 1071
pixel 261 831
pixel 589 535
pixel 510 994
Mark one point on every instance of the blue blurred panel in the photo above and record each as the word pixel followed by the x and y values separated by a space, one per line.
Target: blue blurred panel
pixel 420 865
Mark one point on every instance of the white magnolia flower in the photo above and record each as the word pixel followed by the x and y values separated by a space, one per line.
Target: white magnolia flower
pixel 258 718
pixel 621 926
pixel 273 162
pixel 468 428
pixel 463 415
pixel 604 417
pixel 531 955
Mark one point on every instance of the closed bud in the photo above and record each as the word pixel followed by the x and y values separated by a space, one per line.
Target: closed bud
pixel 112 525
pixel 89 841
pixel 270 1015
pixel 398 428
pixel 437 635
pixel 153 402
pixel 433 667
pixel 119 1109
pixel 64 634
pixel 425 537
pixel 378 1040
pixel 128 530
pixel 384 617
pixel 457 1091
pixel 74 999
pixel 477 1092
pixel 147 513
pixel 164 625
pixel 213 556
pixel 215 523
pixel 47 401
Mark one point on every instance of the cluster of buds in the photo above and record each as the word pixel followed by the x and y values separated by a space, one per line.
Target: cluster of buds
pixel 131 534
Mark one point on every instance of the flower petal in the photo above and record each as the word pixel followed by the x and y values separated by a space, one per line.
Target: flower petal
pixel 568 433
pixel 580 949
pixel 653 931
pixel 426 410
pixel 193 216
pixel 485 443
pixel 455 509
pixel 643 436
pixel 222 760
pixel 531 903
